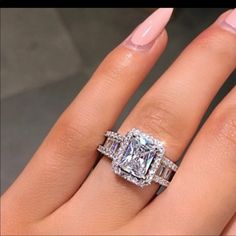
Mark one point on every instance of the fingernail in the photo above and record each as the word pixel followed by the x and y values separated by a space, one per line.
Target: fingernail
pixel 230 20
pixel 144 36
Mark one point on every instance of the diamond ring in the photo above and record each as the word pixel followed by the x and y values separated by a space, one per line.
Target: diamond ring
pixel 138 158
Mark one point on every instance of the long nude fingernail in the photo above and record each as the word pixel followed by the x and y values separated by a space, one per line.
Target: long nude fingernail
pixel 230 20
pixel 146 33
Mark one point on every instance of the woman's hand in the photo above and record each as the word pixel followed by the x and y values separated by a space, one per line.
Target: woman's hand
pixel 61 191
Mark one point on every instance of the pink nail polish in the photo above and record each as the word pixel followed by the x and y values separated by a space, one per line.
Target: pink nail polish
pixel 144 36
pixel 231 19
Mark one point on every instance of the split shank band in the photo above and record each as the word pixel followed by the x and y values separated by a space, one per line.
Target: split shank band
pixel 138 158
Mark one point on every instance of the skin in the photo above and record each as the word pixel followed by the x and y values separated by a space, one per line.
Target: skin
pixel 62 191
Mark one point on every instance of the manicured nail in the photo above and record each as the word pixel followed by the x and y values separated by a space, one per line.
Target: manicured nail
pixel 230 20
pixel 145 34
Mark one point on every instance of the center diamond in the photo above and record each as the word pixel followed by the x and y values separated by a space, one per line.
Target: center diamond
pixel 138 157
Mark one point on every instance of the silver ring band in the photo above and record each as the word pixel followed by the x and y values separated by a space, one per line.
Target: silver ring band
pixel 147 163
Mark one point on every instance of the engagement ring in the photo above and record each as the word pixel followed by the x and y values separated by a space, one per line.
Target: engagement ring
pixel 138 158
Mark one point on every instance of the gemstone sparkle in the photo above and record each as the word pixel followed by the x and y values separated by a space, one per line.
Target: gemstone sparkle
pixel 138 158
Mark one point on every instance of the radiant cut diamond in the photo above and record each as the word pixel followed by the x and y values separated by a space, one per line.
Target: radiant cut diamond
pixel 138 158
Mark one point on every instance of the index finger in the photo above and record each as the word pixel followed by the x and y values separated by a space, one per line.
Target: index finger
pixel 69 152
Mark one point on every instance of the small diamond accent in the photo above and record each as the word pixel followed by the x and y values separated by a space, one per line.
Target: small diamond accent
pixel 170 164
pixel 161 180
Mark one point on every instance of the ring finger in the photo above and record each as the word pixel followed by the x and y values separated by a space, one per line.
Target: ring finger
pixel 171 111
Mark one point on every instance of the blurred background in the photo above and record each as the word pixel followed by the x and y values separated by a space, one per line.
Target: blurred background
pixel 47 55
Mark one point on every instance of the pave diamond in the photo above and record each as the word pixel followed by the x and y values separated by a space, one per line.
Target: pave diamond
pixel 138 157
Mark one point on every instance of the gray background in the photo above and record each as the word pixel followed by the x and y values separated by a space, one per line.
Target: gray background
pixel 47 55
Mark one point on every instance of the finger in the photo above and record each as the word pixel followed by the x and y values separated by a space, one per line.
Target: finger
pixel 230 228
pixel 69 152
pixel 170 111
pixel 202 197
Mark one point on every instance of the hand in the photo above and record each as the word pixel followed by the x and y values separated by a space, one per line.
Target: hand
pixel 64 189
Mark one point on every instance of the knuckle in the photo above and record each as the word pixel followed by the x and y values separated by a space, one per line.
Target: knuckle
pixel 220 43
pixel 221 132
pixel 158 119
pixel 69 139
pixel 114 66
pixel 224 125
